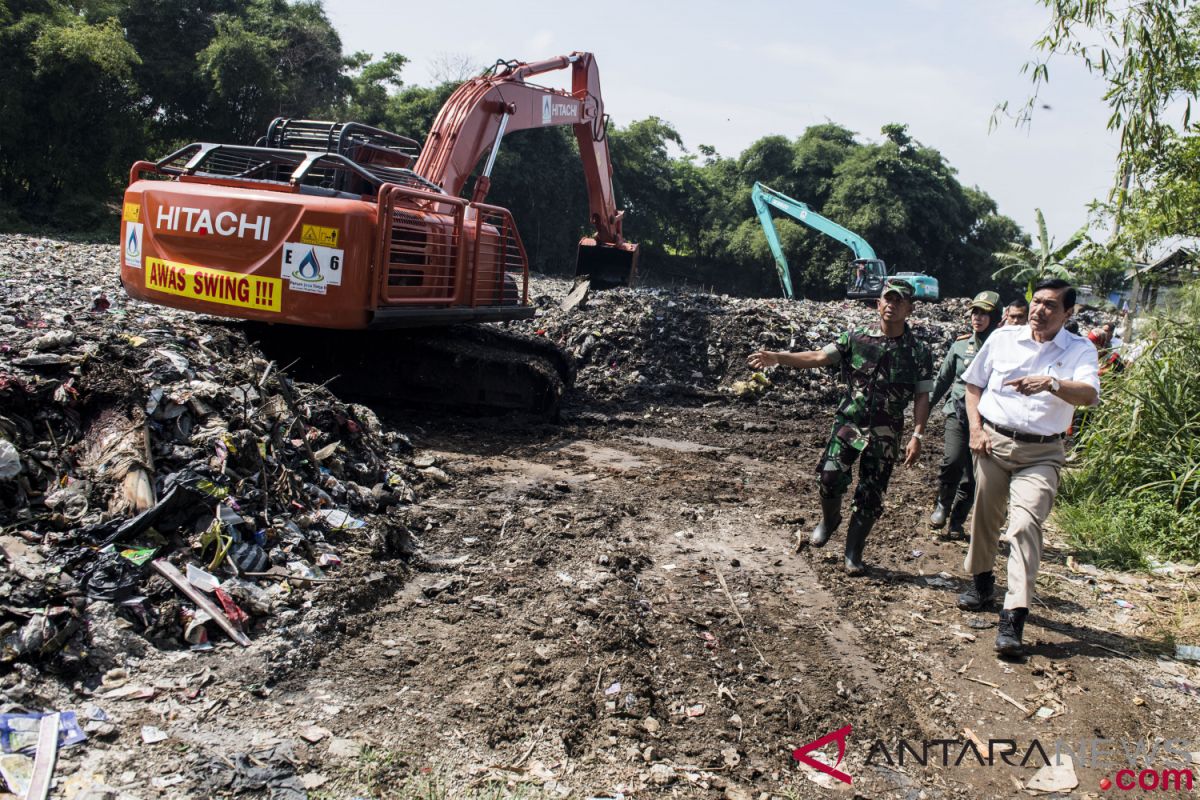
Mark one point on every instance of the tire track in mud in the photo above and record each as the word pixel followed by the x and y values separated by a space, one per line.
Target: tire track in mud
pixel 584 624
pixel 569 625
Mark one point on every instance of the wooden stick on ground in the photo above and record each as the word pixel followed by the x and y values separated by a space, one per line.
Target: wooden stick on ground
pixel 1005 697
pixel 168 571
pixel 981 680
pixel 738 614
pixel 970 734
pixel 47 756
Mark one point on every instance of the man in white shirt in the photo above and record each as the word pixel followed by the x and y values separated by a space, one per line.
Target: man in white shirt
pixel 1022 390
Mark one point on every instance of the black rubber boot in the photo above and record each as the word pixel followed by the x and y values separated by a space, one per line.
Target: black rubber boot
pixel 1012 627
pixel 956 531
pixel 960 511
pixel 856 540
pixel 979 596
pixel 938 518
pixel 831 517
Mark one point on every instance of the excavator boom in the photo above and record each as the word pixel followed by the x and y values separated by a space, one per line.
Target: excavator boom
pixel 483 110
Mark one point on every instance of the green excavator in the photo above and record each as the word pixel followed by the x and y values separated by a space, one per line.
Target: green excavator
pixel 867 271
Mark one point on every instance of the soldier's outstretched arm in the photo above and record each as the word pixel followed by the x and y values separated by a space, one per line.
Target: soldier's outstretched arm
pixel 809 359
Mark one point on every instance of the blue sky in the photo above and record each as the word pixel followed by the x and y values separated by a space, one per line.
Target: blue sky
pixel 726 74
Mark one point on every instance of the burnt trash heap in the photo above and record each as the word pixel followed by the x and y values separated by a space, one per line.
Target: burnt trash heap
pixel 160 476
pixel 675 346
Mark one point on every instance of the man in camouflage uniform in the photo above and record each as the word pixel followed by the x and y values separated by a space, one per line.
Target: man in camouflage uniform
pixel 885 368
pixel 956 484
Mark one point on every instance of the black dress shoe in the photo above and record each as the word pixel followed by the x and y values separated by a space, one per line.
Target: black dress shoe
pixel 980 593
pixel 1012 627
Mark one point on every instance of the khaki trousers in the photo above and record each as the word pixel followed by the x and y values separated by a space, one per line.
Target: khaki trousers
pixel 1020 478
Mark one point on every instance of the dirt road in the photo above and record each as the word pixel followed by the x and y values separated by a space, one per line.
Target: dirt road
pixel 616 607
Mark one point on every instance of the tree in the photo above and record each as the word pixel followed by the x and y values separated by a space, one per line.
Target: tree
pixel 68 127
pixel 644 183
pixel 453 68
pixel 168 36
pixel 1022 264
pixel 539 178
pixel 371 87
pixel 1101 268
pixel 816 156
pixel 273 58
pixel 1146 53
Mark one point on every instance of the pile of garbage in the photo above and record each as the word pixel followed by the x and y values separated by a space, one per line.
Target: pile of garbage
pixel 159 475
pixel 657 345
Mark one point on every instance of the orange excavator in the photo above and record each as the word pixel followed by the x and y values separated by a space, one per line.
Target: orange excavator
pixel 346 226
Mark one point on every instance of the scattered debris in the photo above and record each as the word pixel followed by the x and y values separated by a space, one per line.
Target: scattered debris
pixel 1057 777
pixel 152 734
pixel 1188 652
pixel 181 583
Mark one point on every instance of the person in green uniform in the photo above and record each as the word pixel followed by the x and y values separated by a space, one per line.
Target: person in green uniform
pixel 885 368
pixel 956 481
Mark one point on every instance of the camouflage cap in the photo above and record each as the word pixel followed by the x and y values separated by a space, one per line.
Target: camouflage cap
pixel 900 287
pixel 986 300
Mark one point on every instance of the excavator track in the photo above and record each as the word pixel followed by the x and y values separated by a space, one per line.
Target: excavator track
pixel 470 369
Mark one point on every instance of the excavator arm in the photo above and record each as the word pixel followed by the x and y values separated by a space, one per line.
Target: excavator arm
pixel 759 196
pixel 766 195
pixel 483 110
pixel 869 281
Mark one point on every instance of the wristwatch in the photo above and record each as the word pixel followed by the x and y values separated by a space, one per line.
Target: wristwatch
pixel 920 437
pixel 1054 386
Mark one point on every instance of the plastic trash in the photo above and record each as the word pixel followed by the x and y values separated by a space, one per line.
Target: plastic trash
pixel 10 460
pixel 111 577
pixel 249 557
pixel 340 520
pixel 1187 652
pixel 19 732
pixel 254 598
pixel 205 581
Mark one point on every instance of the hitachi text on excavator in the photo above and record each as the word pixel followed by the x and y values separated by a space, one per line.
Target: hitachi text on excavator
pixel 334 225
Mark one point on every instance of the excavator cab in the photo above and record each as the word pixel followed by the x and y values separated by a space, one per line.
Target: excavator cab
pixel 866 278
pixel 606 265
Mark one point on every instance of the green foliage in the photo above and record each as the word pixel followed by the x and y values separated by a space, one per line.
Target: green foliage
pixel 66 102
pixel 899 195
pixel 87 89
pixel 1123 534
pixel 1142 444
pixel 643 180
pixel 1147 55
pixel 272 58
pixel 539 179
pixel 371 85
pixel 1027 267
pixel 1101 268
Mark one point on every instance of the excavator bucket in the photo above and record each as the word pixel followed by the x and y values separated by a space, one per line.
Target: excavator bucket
pixel 607 265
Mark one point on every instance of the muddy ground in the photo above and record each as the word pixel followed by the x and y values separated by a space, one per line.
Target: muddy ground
pixel 616 605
